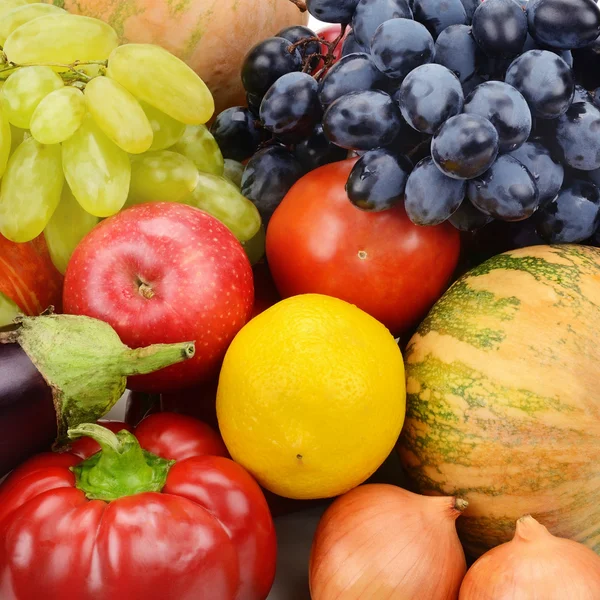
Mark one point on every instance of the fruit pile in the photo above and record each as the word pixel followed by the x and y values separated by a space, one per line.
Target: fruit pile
pixel 462 111
pixel 88 127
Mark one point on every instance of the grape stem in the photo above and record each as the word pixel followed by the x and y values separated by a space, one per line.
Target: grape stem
pixel 329 58
pixel 72 74
pixel 301 4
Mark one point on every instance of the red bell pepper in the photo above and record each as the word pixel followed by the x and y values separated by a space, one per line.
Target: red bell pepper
pixel 158 514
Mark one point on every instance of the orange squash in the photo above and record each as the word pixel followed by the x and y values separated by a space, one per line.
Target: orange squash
pixel 212 36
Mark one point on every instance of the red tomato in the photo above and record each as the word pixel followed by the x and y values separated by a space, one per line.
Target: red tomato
pixel 205 531
pixel 318 242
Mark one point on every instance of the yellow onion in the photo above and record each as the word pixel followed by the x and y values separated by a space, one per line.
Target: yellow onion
pixel 534 565
pixel 380 541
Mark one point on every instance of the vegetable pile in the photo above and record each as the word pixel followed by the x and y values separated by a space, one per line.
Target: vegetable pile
pixel 348 266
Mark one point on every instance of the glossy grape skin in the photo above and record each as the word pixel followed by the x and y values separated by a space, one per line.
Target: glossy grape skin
pixel 198 144
pixel 223 200
pixel 119 115
pixel 507 110
pixel 166 130
pixel 31 189
pixel 582 95
pixel 67 227
pixel 470 7
pixel 19 15
pixel 465 147
pixel 378 179
pixel 233 170
pixel 577 135
pixel 429 96
pixel 162 176
pixel 24 90
pixel 332 11
pixel 430 197
pixel 350 45
pixel 60 39
pixel 297 33
pixel 564 24
pixel 237 132
pixel 162 80
pixel 353 73
pixel 267 62
pixel 97 170
pixel 457 50
pixel 370 14
pixel 545 80
pixel 573 216
pixel 6 141
pixel 58 116
pixel 268 177
pixel 548 174
pixel 362 120
pixel 291 108
pixel 436 15
pixel 401 45
pixel 531 44
pixel 467 218
pixel 507 191
pixel 316 150
pixel 500 28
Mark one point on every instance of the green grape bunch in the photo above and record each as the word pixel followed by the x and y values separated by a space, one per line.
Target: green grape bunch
pixel 89 127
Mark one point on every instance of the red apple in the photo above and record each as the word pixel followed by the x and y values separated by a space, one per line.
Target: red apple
pixel 28 277
pixel 161 273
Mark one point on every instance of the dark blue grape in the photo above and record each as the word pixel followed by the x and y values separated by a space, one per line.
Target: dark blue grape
pixel 436 15
pixel 573 216
pixel 457 50
pixel 378 179
pixel 468 218
pixel 500 28
pixel 253 102
pixel 465 146
pixel 267 62
pixel 332 11
pixel 578 136
pixel 297 33
pixel 362 120
pixel 581 95
pixel 352 73
pixel 596 97
pixel 291 108
pixel 316 151
pixel 268 177
pixel 430 197
pixel 237 132
pixel 531 44
pixel 370 14
pixel 351 46
pixel 429 96
pixel 470 7
pixel 547 173
pixel 564 24
pixel 506 108
pixel 401 45
pixel 545 81
pixel 506 191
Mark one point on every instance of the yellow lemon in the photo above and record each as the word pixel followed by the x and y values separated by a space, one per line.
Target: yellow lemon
pixel 312 397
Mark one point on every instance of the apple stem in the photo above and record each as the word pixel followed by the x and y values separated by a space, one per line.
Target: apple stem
pixel 146 291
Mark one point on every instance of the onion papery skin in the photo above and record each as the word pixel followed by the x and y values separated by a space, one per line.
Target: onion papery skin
pixel 380 541
pixel 534 565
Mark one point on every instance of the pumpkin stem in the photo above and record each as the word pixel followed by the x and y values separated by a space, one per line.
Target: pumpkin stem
pixel 301 4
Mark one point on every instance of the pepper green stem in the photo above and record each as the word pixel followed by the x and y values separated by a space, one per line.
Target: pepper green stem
pixel 121 468
pixel 152 358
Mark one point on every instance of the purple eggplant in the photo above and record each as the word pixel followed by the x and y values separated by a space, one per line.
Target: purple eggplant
pixel 58 371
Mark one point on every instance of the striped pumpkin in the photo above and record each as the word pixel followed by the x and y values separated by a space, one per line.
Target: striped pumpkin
pixel 503 382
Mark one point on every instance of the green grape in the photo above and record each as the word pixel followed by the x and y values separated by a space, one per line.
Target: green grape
pixel 161 177
pixel 5 141
pixel 62 39
pixel 223 200
pixel 157 77
pixel 255 248
pixel 119 115
pixel 97 170
pixel 7 6
pixel 31 190
pixel 17 135
pixel 67 227
pixel 58 116
pixel 9 311
pixel 233 171
pixel 167 131
pixel 201 148
pixel 24 90
pixel 14 18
